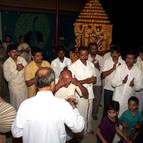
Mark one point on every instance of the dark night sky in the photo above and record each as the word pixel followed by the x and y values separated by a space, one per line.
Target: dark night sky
pixel 126 17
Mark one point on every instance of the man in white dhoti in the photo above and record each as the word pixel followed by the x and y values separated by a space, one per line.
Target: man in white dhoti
pixel 108 72
pixel 139 64
pixel 97 60
pixel 126 81
pixel 84 71
pixel 13 69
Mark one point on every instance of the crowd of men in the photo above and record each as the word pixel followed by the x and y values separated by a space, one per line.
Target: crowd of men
pixel 40 91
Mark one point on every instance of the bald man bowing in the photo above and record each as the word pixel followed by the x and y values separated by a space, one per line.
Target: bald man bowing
pixel 69 87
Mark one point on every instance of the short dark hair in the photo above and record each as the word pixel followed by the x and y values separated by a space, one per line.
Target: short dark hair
pixel 132 52
pixel 113 105
pixel 115 48
pixel 11 47
pixel 83 48
pixel 44 79
pixel 133 98
pixel 60 48
pixel 35 50
pixel 92 44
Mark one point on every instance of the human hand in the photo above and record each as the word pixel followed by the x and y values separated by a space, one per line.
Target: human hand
pixel 127 140
pixel 62 83
pixel 125 79
pixel 19 67
pixel 138 125
pixel 125 125
pixel 75 81
pixel 132 83
pixel 97 65
pixel 72 100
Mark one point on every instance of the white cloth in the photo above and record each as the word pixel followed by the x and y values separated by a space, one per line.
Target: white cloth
pixel 99 59
pixel 58 66
pixel 106 56
pixel 123 91
pixel 71 90
pixel 25 55
pixel 81 72
pixel 42 119
pixel 139 64
pixel 139 94
pixel 85 109
pixel 108 64
pixel 16 82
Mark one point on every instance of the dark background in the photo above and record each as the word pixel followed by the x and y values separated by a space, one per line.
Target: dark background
pixel 125 15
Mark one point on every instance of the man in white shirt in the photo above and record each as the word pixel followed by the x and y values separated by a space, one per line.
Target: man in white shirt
pixel 139 64
pixel 84 71
pixel 60 62
pixel 13 69
pixel 108 72
pixel 97 60
pixel 42 118
pixel 127 79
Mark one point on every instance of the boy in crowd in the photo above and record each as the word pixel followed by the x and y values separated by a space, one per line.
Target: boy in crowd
pixel 132 118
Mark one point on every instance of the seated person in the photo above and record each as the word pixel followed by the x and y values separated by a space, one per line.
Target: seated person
pixel 109 124
pixel 132 119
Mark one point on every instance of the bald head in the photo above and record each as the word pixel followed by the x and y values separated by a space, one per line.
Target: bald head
pixel 44 77
pixel 66 72
pixel 66 76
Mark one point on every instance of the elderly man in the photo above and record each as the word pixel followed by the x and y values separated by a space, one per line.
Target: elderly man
pixel 69 87
pixel 42 118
